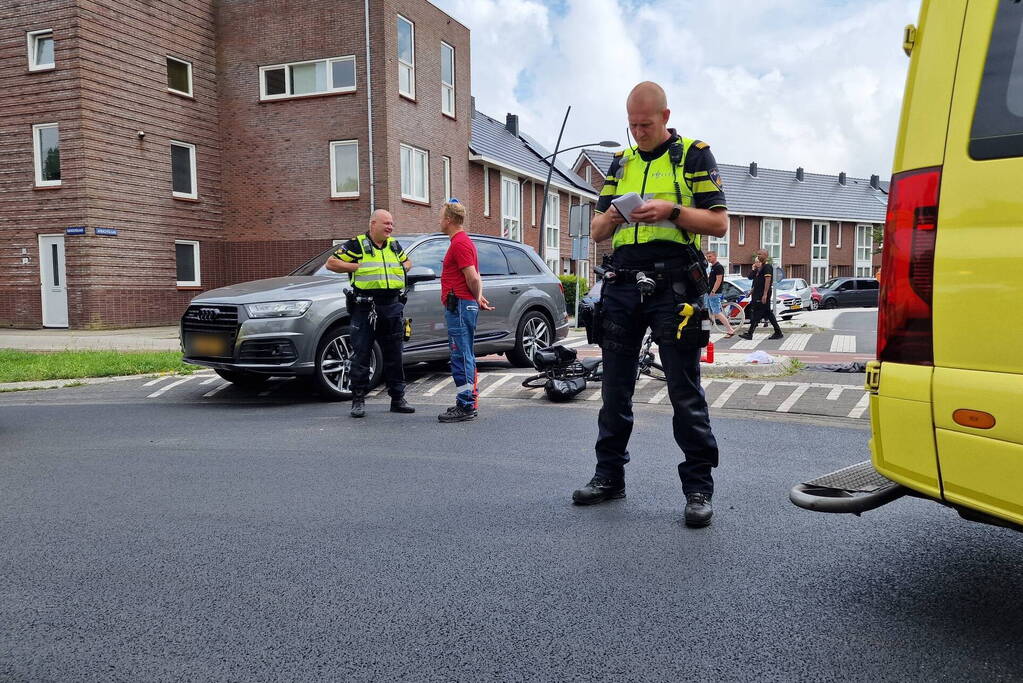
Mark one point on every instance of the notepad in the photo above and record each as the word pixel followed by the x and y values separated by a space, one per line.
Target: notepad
pixel 628 203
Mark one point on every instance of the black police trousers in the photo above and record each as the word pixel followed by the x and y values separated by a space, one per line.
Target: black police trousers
pixel 388 333
pixel 626 319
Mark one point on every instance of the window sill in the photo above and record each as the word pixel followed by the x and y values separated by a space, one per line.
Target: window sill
pixel 289 98
pixel 189 288
pixel 449 116
pixel 345 199
pixel 46 187
pixel 418 202
pixel 190 200
pixel 410 98
pixel 182 95
pixel 39 69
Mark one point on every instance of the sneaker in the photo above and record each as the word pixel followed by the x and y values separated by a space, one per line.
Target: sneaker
pixel 698 509
pixel 400 405
pixel 746 336
pixel 598 490
pixel 358 407
pixel 457 414
pixel 777 335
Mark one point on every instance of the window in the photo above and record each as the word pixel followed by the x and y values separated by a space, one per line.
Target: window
pixel 186 255
pixel 864 250
pixel 406 57
pixel 40 50
pixel 300 79
pixel 589 174
pixel 446 166
pixel 344 168
pixel 719 245
pixel 819 250
pixel 415 181
pixel 492 261
pixel 997 130
pixel 742 230
pixel 430 254
pixel 511 209
pixel 486 190
pixel 792 232
pixel 532 203
pixel 552 223
pixel 838 239
pixel 447 79
pixel 46 146
pixel 819 274
pixel 770 238
pixel 179 76
pixel 183 170
pixel 519 262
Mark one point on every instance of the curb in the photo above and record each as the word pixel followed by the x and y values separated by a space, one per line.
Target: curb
pixel 75 381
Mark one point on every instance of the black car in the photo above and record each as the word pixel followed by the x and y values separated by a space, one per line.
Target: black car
pixel 840 292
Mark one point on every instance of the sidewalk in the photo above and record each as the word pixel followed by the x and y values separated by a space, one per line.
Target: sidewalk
pixel 131 339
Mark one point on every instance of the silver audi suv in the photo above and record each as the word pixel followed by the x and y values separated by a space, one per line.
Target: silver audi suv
pixel 298 325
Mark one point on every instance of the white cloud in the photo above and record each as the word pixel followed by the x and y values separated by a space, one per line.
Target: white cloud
pixel 785 83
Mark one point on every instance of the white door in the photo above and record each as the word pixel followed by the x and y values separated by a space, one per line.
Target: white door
pixel 54 281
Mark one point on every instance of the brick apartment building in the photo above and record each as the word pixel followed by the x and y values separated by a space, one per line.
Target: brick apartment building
pixel 814 226
pixel 152 150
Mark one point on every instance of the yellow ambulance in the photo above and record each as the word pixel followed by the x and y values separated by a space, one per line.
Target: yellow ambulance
pixel 946 390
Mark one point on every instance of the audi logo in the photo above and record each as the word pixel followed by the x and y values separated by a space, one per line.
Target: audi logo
pixel 207 314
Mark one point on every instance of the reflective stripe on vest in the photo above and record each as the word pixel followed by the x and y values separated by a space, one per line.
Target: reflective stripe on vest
pixel 378 268
pixel 654 180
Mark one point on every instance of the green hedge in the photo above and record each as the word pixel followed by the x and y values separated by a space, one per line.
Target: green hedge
pixel 568 282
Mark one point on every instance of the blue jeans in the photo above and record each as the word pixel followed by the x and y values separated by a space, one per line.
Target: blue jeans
pixel 714 303
pixel 461 332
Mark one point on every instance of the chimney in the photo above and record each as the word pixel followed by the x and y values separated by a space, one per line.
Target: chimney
pixel 753 169
pixel 511 122
pixel 875 182
pixel 799 174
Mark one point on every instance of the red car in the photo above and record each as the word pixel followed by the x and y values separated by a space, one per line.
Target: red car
pixel 815 298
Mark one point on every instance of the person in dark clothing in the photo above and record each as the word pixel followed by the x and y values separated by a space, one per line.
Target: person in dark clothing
pixel 762 299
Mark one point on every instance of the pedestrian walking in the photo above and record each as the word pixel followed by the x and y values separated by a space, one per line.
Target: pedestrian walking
pixel 716 278
pixel 762 297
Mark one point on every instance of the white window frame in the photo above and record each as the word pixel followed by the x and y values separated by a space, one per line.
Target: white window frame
pixel 792 232
pixel 194 194
pixel 37 160
pixel 742 230
pixel 446 87
pixel 446 172
pixel 552 226
pixel 287 95
pixel 188 64
pixel 838 241
pixel 776 225
pixel 589 174
pixel 333 169
pixel 720 246
pixel 866 230
pixel 31 39
pixel 486 191
pixel 415 152
pixel 198 272
pixel 820 249
pixel 411 66
pixel 511 208
pixel 532 203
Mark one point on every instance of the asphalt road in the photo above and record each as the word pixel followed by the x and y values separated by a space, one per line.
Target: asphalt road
pixel 184 541
pixel 857 321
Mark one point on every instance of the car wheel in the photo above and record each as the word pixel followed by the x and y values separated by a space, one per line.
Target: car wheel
pixel 243 379
pixel 830 303
pixel 534 332
pixel 814 304
pixel 786 317
pixel 334 365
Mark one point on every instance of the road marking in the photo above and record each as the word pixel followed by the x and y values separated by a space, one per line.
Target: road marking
pixel 156 381
pixel 440 385
pixel 843 343
pixel 163 390
pixel 594 395
pixel 659 396
pixel 211 380
pixel 375 392
pixel 750 343
pixel 223 386
pixel 835 393
pixel 725 395
pixel 861 406
pixel 501 379
pixel 581 342
pixel 795 342
pixel 787 404
pixel 715 338
pixel 766 389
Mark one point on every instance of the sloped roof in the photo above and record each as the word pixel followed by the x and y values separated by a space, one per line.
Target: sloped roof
pixel 492 140
pixel 777 193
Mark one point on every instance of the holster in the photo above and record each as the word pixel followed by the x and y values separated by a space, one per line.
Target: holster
pixel 593 321
pixel 451 302
pixel 406 329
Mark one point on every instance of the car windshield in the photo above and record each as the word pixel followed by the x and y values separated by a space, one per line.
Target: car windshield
pixel 315 265
pixel 788 283
pixel 743 283
pixel 830 284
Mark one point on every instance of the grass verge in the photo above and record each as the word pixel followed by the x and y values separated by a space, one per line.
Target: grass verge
pixel 28 366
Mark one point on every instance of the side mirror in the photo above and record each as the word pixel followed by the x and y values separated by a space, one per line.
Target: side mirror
pixel 419 274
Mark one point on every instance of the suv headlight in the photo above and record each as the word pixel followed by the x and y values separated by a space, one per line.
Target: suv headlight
pixel 278 309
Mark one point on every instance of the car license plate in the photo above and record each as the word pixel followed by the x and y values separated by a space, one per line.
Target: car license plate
pixel 796 305
pixel 207 345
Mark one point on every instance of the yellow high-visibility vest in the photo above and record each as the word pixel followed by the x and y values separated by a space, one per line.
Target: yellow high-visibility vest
pixel 379 268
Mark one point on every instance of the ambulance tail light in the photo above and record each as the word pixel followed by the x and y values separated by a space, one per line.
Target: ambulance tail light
pixel 904 322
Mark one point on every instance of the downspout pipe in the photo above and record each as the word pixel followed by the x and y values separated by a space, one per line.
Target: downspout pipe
pixel 369 115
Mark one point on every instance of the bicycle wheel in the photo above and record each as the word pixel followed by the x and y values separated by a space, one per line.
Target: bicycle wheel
pixel 735 314
pixel 654 371
pixel 535 381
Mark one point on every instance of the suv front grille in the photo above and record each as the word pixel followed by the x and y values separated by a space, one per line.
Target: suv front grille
pixel 268 352
pixel 212 320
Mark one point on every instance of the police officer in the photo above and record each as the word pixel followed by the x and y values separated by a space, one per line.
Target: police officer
pixel 679 180
pixel 376 265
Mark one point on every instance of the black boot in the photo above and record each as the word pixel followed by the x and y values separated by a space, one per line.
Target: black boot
pixel 358 407
pixel 598 490
pixel 698 509
pixel 400 405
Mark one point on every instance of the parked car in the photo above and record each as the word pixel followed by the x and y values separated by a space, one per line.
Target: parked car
pixel 793 295
pixel 815 297
pixel 743 283
pixel 840 292
pixel 298 325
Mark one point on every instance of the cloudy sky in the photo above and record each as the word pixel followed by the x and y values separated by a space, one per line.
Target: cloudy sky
pixel 786 83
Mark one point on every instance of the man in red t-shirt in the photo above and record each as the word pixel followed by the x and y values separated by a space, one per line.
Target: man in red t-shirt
pixel 461 291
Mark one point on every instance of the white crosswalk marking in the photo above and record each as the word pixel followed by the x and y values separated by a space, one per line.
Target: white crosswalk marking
pixel 660 395
pixel 375 392
pixel 156 381
pixel 787 404
pixel 725 395
pixel 861 406
pixel 750 343
pixel 835 393
pixel 440 385
pixel 211 380
pixel 795 342
pixel 706 383
pixel 765 390
pixel 843 343
pixel 715 338
pixel 223 386
pixel 501 379
pixel 594 395
pixel 574 344
pixel 165 389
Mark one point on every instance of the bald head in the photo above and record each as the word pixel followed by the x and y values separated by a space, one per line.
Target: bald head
pixel 648 111
pixel 381 225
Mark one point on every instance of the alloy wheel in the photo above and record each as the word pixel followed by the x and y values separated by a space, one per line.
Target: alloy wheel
pixel 336 363
pixel 535 335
